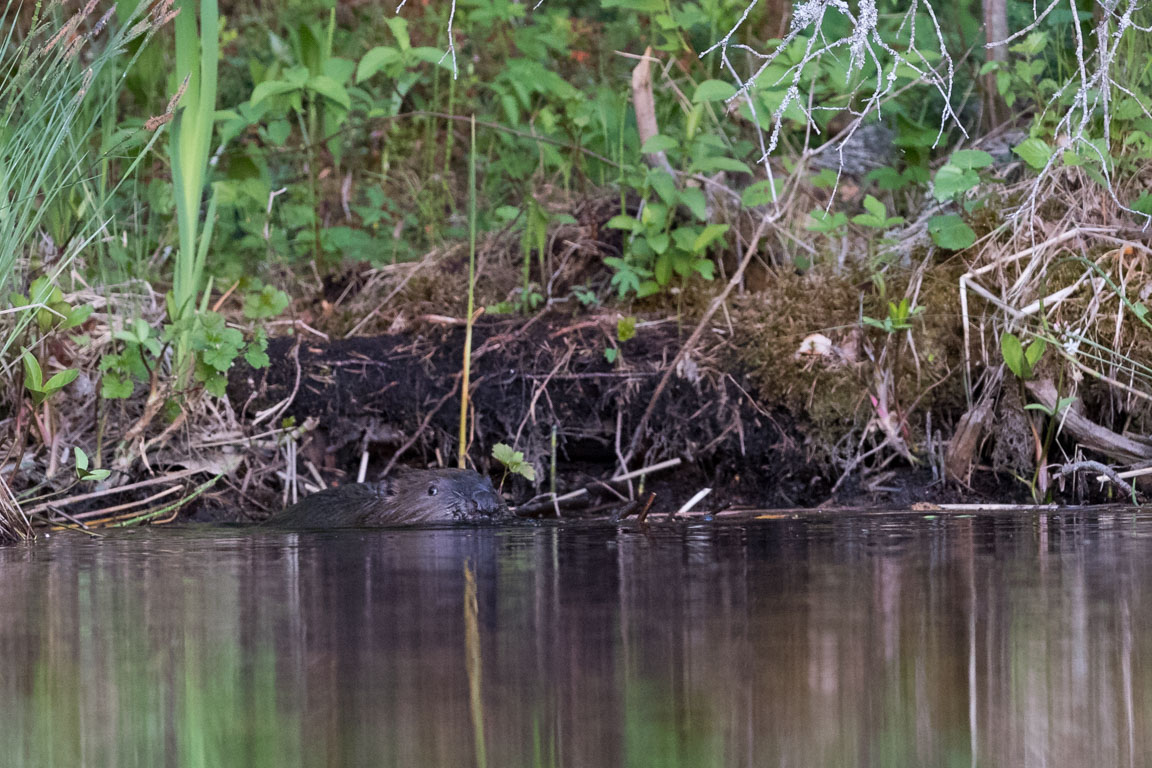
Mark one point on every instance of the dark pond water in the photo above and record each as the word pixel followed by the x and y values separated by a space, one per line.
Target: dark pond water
pixel 891 640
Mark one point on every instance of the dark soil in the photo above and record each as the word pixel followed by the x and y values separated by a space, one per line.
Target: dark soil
pixel 397 396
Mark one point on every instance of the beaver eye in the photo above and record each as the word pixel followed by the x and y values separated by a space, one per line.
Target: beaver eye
pixel 432 490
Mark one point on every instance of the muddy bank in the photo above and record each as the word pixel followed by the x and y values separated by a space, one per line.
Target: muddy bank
pixel 395 398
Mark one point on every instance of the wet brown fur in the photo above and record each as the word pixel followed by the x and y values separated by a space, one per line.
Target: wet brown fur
pixel 407 497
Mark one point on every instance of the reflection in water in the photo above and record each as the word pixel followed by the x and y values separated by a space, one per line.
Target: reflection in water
pixel 895 640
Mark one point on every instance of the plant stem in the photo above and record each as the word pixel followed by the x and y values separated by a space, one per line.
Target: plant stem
pixel 463 456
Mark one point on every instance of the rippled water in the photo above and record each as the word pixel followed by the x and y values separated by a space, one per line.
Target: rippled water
pixel 888 640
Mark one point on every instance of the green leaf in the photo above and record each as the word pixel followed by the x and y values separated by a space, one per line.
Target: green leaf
pixel 270 88
pixel 1035 152
pixel 713 90
pixel 705 268
pixel 77 316
pixel 952 180
pixel 663 269
pixel 610 354
pixel 970 158
pixel 268 302
pixel 825 222
pixel 621 221
pixel 759 193
pixel 114 387
pixel 60 380
pixel 1013 354
pixel 504 454
pixel 719 163
pixel 875 207
pixel 664 184
pixel 330 89
pixel 693 198
pixel 33 376
pixel 950 231
pixel 711 233
pixel 217 385
pixel 256 357
pixel 81 458
pixel 659 143
pixel 1034 352
pixel 278 131
pixel 626 328
pixel 658 242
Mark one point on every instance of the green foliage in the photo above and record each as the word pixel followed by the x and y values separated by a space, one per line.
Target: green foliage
pixel 899 317
pixel 877 215
pixel 267 302
pixel 213 344
pixel 513 462
pixel 959 174
pixel 38 389
pixel 949 231
pixel 1020 360
pixel 83 474
pixel 51 311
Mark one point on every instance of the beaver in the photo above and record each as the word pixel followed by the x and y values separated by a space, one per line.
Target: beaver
pixel 406 497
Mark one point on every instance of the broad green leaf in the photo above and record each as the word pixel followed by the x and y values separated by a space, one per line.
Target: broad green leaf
pixel 693 197
pixel 713 90
pixel 81 458
pixel 970 158
pixel 705 267
pixel 711 233
pixel 114 387
pixel 659 143
pixel 719 163
pixel 77 316
pixel 621 221
pixel 658 241
pixel 950 231
pixel 330 89
pixel 952 180
pixel 759 193
pixel 270 88
pixel 33 376
pixel 1013 354
pixel 1035 152
pixel 60 380
pixel 664 184
pixel 1035 351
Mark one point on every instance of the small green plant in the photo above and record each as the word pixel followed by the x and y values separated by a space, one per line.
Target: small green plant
pixel 50 308
pixel 513 462
pixel 197 56
pixel 625 330
pixel 213 345
pixel 660 245
pixel 83 473
pixel 899 317
pixel 876 215
pixel 1023 77
pixel 38 389
pixel 1020 360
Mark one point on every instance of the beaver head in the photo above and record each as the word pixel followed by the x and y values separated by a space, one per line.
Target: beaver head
pixel 436 495
pixel 404 497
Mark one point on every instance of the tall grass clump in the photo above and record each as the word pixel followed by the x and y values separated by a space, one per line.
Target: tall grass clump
pixel 197 58
pixel 47 68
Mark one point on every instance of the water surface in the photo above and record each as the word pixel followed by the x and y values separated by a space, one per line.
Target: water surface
pixel 891 640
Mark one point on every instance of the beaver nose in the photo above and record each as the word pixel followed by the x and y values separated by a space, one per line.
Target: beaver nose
pixel 487 502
